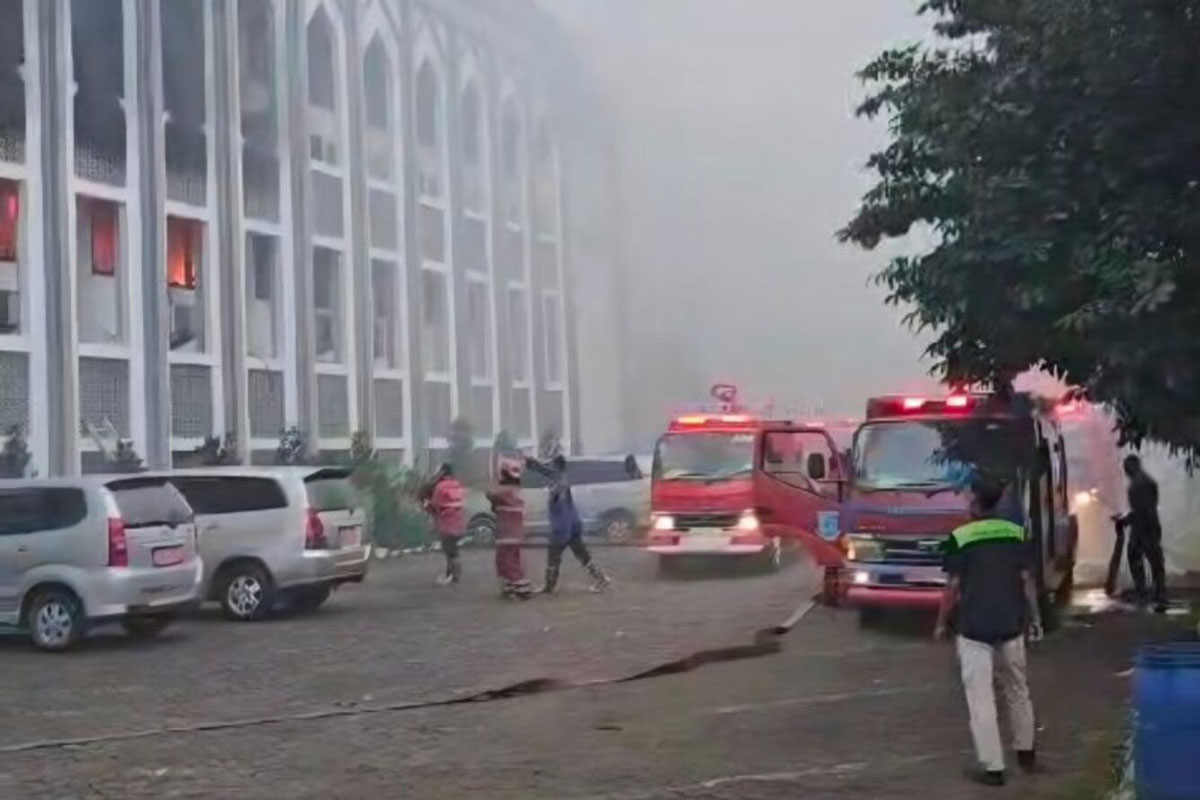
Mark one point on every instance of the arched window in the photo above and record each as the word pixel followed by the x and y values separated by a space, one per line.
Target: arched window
pixel 428 122
pixel 321 74
pixel 474 176
pixel 512 163
pixel 429 130
pixel 472 128
pixel 377 93
pixel 545 181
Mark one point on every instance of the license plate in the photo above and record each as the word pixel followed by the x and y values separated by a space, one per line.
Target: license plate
pixel 705 542
pixel 350 537
pixel 167 556
pixel 891 578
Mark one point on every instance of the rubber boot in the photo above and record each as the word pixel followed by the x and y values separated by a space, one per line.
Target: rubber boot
pixel 551 580
pixel 600 580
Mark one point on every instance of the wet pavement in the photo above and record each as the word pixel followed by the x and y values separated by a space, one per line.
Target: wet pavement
pixel 371 696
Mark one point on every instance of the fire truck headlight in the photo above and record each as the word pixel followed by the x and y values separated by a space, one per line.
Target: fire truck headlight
pixel 664 523
pixel 861 577
pixel 863 547
pixel 748 521
pixel 1084 499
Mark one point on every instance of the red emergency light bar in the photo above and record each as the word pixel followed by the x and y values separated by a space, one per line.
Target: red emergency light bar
pixel 900 406
pixel 713 420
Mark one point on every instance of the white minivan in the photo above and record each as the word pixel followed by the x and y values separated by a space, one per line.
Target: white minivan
pixel 75 553
pixel 270 534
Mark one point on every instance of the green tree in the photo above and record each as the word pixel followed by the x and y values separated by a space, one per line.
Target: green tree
pixel 1052 149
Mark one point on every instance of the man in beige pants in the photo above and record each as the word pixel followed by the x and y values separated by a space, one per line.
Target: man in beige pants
pixel 990 592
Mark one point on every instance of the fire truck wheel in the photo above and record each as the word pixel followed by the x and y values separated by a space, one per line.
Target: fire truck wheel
pixel 869 617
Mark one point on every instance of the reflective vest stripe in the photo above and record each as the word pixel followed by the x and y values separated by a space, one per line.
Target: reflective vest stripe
pixel 987 530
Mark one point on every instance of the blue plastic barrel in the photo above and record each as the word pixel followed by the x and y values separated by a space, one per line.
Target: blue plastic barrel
pixel 1166 698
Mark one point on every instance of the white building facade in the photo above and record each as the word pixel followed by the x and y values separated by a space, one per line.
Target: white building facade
pixel 238 217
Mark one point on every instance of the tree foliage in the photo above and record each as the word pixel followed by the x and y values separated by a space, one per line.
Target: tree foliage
pixel 1053 151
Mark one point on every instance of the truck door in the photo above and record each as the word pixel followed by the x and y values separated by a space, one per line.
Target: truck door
pixel 798 479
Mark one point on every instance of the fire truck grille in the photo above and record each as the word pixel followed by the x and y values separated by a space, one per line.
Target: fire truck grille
pixel 685 522
pixel 926 551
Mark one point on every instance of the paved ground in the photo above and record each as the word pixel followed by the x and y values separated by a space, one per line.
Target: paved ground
pixel 305 706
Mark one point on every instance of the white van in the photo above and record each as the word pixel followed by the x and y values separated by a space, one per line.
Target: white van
pixel 270 534
pixel 77 553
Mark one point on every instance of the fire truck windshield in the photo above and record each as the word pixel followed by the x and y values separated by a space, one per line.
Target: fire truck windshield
pixel 937 454
pixel 710 456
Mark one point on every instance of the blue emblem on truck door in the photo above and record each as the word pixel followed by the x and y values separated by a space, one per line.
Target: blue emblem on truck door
pixel 828 525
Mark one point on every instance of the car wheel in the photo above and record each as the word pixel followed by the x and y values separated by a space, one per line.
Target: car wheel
pixel 146 626
pixel 482 530
pixel 246 592
pixel 55 620
pixel 310 598
pixel 618 526
pixel 774 555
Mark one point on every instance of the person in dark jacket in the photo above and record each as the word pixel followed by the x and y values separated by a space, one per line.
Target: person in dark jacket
pixel 991 601
pixel 1145 533
pixel 566 526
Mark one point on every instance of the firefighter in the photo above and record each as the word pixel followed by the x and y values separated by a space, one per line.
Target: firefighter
pixel 1145 533
pixel 446 497
pixel 509 509
pixel 566 526
pixel 991 595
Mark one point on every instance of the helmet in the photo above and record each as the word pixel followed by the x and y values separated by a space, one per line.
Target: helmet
pixel 511 469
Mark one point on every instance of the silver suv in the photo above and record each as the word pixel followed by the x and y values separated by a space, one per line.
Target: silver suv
pixel 76 553
pixel 270 534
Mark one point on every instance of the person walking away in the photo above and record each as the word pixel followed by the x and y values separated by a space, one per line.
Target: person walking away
pixel 446 502
pixel 509 509
pixel 566 527
pixel 1145 533
pixel 991 596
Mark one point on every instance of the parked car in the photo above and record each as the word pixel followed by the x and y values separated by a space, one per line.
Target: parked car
pixel 611 493
pixel 78 553
pixel 292 534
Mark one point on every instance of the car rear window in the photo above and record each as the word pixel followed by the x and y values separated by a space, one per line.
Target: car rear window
pixel 40 509
pixel 583 472
pixel 230 494
pixel 145 502
pixel 331 490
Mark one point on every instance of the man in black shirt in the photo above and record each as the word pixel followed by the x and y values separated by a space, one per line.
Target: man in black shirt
pixel 1145 533
pixel 990 593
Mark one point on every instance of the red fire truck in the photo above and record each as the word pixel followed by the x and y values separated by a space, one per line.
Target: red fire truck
pixel 732 484
pixel 911 465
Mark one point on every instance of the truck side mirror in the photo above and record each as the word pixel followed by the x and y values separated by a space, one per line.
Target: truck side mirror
pixel 816 466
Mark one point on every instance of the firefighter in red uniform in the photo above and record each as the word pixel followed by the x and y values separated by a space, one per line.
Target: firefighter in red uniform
pixel 509 509
pixel 445 501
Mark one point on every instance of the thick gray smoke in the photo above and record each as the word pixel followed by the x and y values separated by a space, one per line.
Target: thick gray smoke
pixel 740 157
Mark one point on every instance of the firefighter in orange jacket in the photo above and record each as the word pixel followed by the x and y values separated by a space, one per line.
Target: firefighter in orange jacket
pixel 445 503
pixel 509 509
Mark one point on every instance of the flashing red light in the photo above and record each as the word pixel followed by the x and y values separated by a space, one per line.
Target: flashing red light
pixel 913 403
pixel 735 419
pixel 694 419
pixel 957 401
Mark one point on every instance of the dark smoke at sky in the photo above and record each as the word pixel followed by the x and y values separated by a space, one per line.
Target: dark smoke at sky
pixel 740 158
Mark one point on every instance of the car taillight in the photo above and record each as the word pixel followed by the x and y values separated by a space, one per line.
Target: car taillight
pixel 118 545
pixel 314 532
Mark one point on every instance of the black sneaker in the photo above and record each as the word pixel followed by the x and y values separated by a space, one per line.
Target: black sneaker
pixel 1027 760
pixel 986 777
